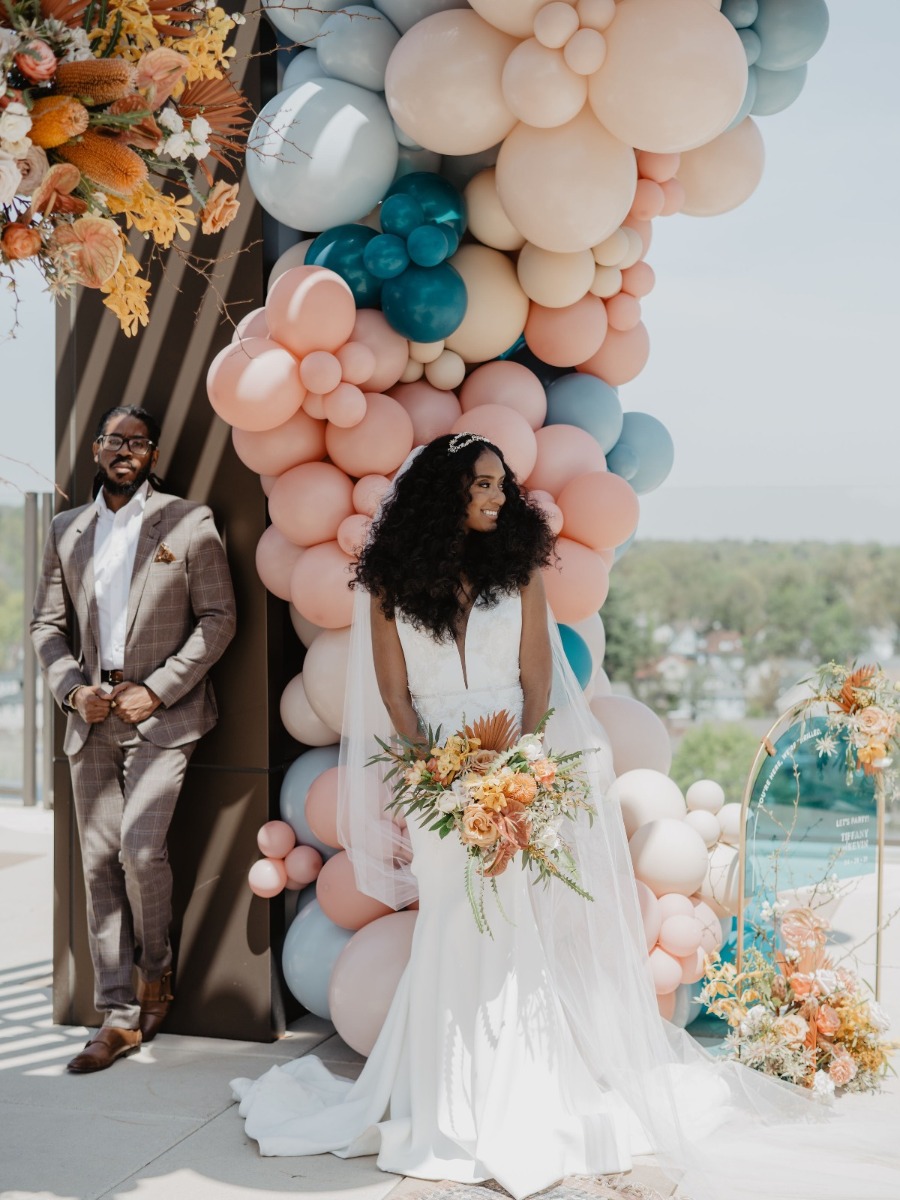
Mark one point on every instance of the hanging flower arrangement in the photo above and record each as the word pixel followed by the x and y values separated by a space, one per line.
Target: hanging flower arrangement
pixel 113 116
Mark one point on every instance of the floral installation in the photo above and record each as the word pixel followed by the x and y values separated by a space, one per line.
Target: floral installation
pixel 110 112
pixel 798 1016
pixel 862 704
pixel 502 795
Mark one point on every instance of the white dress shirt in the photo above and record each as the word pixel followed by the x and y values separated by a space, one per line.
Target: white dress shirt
pixel 115 546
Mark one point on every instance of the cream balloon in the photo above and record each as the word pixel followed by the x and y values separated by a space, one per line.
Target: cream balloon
pixel 729 821
pixel 721 886
pixel 638 736
pixel 540 87
pixel 554 280
pixel 646 795
pixel 487 220
pixel 512 16
pixel 722 174
pixel 706 825
pixel 300 719
pixel 294 256
pixel 669 856
pixel 305 630
pixel 497 309
pixel 566 189
pixel 325 675
pixel 446 372
pixel 705 794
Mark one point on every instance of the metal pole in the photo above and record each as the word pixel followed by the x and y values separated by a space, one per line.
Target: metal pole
pixel 46 695
pixel 29 662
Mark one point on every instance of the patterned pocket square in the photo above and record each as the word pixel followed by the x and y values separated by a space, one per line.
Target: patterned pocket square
pixel 164 554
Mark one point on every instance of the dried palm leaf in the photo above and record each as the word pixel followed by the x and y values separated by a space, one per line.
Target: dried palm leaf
pixel 225 107
pixel 848 700
pixel 497 732
pixel 69 12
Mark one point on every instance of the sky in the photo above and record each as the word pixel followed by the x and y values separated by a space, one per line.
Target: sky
pixel 773 328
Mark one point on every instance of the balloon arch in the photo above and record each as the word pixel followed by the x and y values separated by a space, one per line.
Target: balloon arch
pixel 474 187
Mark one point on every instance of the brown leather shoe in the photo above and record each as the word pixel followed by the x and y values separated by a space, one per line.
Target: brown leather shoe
pixel 104 1048
pixel 155 996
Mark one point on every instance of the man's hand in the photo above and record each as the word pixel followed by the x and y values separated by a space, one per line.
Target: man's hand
pixel 92 704
pixel 133 702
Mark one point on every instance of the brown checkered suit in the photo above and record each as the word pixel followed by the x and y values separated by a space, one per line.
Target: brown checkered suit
pixel 126 778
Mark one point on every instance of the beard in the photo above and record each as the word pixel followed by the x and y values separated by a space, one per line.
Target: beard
pixel 115 488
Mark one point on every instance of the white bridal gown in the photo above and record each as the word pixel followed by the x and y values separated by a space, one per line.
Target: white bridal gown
pixel 475 1074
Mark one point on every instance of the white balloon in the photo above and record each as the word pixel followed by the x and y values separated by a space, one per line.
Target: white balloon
pixel 300 24
pixel 305 630
pixel 406 13
pixel 646 795
pixel 729 819
pixel 303 66
pixel 669 856
pixel 591 629
pixel 355 44
pixel 720 889
pixel 705 794
pixel 638 736
pixel 706 825
pixel 299 717
pixel 321 154
pixel 325 675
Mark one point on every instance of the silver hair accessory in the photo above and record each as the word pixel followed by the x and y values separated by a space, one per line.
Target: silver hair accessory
pixel 459 441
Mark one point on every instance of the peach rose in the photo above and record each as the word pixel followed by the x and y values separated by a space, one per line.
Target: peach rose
pixel 481 761
pixel 478 827
pixel 33 167
pixel 827 1021
pixel 801 985
pixel 874 724
pixel 842 1068
pixel 544 771
pixel 20 241
pixel 221 207
pixel 520 788
pixel 36 61
pixel 792 1028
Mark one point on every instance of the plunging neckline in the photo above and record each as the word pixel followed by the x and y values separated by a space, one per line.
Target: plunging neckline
pixel 461 644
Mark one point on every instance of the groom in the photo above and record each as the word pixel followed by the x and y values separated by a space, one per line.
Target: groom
pixel 133 607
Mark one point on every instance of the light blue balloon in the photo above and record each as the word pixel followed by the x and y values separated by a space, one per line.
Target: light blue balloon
pixel 751 43
pixel 406 13
pixel 622 550
pixel 311 948
pixel 622 461
pixel 299 24
pixel 776 90
pixel 296 784
pixel 355 44
pixel 589 403
pixel 302 67
pixel 649 439
pixel 386 256
pixel 428 245
pixel 578 654
pixel 748 101
pixel 791 32
pixel 740 13
pixel 342 250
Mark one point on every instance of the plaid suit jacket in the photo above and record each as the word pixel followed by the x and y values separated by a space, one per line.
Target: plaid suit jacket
pixel 180 616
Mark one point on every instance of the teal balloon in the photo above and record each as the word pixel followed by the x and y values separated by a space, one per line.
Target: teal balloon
pixel 740 13
pixel 428 245
pixel 623 461
pixel 311 947
pixel 589 403
pixel 342 250
pixel 578 654
pixel 386 256
pixel 748 101
pixel 751 43
pixel 776 90
pixel 297 780
pixel 425 304
pixel 652 443
pixel 791 32
pixel 622 550
pixel 520 353
pixel 400 214
pixel 439 200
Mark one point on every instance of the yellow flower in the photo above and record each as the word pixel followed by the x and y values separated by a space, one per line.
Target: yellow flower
pixel 162 216
pixel 126 295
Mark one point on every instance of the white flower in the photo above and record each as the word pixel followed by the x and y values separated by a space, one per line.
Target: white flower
pixel 754 1020
pixel 531 746
pixel 238 18
pixel 169 119
pixel 79 47
pixel 200 150
pixel 17 149
pixel 826 746
pixel 878 1017
pixel 827 981
pixel 200 129
pixel 15 122
pixel 9 42
pixel 178 145
pixel 450 801
pixel 823 1085
pixel 10 178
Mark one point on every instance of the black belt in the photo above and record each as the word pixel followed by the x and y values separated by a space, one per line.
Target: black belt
pixel 112 677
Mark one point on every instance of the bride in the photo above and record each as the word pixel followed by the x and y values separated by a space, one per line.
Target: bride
pixel 537 1053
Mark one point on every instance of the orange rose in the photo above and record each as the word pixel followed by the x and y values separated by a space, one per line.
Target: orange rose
pixel 520 788
pixel 36 61
pixel 221 207
pixel 827 1021
pixel 544 771
pixel 478 827
pixel 843 1067
pixel 481 761
pixel 801 985
pixel 20 241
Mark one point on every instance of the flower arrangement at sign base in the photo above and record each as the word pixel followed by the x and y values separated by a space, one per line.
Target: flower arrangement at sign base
pixel 862 704
pixel 110 111
pixel 799 1017
pixel 504 796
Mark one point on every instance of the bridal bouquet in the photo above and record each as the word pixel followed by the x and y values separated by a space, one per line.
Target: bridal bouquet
pixel 503 796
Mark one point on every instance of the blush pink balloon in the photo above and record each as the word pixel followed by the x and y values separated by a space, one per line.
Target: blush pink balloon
pixel 644 230
pixel 254 324
pixel 368 493
pixel 357 361
pixel 254 384
pixel 310 308
pixel 666 971
pixel 300 719
pixel 638 280
pixel 623 312
pixel 390 349
pixel 711 938
pixel 378 444
pixel 599 509
pixel 320 586
pixel 673 904
pixel 680 936
pixel 648 202
pixel 577 584
pixel 552 512
pixel 302 865
pixel 693 966
pixel 273 451
pixel 267 482
pixel 563 451
pixel 308 503
pixel 276 839
pixel 320 371
pixel 352 533
pixel 321 807
pixel 365 977
pixel 658 167
pixel 510 384
pixel 666 1005
pixel 345 406
pixel 276 558
pixel 507 429
pixel 314 405
pixel 431 410
pixel 267 877
pixel 561 336
pixel 675 197
pixel 622 356
pixel 340 899
pixel 650 915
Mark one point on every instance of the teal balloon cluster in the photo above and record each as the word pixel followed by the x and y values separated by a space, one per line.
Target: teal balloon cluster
pixel 779 38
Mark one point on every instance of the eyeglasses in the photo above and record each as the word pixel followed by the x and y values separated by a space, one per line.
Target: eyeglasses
pixel 136 445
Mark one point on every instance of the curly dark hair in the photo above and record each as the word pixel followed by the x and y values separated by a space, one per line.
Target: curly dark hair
pixel 419 549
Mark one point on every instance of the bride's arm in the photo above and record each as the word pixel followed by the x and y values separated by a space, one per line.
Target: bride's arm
pixel 390 671
pixel 535 655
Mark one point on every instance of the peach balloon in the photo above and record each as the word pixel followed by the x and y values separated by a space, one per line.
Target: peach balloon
pixel 267 482
pixel 507 429
pixel 340 899
pixel 368 493
pixel 693 966
pixel 666 1004
pixel 640 235
pixel 623 312
pixel 622 356
pixel 276 558
pixel 267 877
pixel 321 807
pixel 487 220
pixel 679 935
pixel 540 87
pixel 320 587
pixel 345 406
pixel 675 197
pixel 308 503
pixel 608 554
pixel 554 280
pixel 314 404
pixel 638 736
pixel 555 23
pixel 365 976
pixel 675 74
pixel 300 720
pixel 391 350
pixel 665 969
pixel 512 16
pixel 673 904
pixel 302 865
pixel 254 324
pixel 255 384
pixel 566 188
pixel 507 383
pixel 595 14
pixel 497 307
pixel 563 451
pixel 310 308
pixel 446 372
pixel 585 51
pixel 638 280
pixel 305 630
pixel 320 371
pixel 649 199
pixel 431 410
pixel 600 509
pixel 375 446
pixel 658 167
pixel 577 584
pixel 455 60
pixel 273 451
pixel 276 839
pixel 352 533
pixel 564 337
pixel 357 361
pixel 722 174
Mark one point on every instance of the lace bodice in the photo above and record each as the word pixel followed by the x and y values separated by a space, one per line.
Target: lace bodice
pixel 449 688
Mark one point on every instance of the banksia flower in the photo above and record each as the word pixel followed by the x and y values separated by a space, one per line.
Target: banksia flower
pixel 57 119
pixel 95 80
pixel 106 162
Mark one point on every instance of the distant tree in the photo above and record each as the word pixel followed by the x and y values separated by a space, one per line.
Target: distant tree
pixel 724 753
pixel 629 641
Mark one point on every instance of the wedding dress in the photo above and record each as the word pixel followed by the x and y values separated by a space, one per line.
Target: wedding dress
pixel 538 1053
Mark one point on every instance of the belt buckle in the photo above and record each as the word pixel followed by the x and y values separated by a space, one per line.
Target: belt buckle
pixel 115 677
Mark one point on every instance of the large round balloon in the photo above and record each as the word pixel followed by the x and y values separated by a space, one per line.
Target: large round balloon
pixel 320 588
pixel 790 32
pixel 355 44
pixel 276 558
pixel 321 154
pixel 599 509
pixel 564 451
pixel 646 795
pixel 577 583
pixel 507 429
pixel 589 403
pixel 303 66
pixel 425 304
pixel 341 249
pixel 340 899
pixel 431 410
pixel 365 978
pixel 299 718
pixel 638 736
pixel 674 76
pixel 621 357
pixel 377 445
pixel 775 90
pixel 254 384
pixel 652 445
pixel 669 856
pixel 721 175
pixel 298 440
pixel 299 24
pixel 298 779
pixel 311 948
pixel 509 384
pixel 497 307
pixel 308 503
pixel 325 675
pixel 567 336
pixel 310 308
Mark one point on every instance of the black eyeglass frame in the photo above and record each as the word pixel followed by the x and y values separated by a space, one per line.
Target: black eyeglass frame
pixel 105 438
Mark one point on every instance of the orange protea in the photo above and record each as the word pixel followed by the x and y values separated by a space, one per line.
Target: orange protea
pixel 95 247
pixel 56 120
pixel 520 788
pixel 106 162
pixel 144 133
pixel 225 108
pixel 95 80
pixel 497 732
pixel 848 700
pixel 54 192
pixel 159 73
